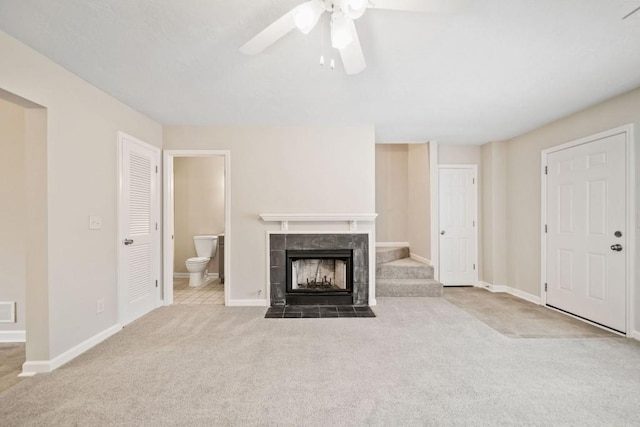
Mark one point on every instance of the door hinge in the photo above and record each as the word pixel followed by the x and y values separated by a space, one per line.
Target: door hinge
pixel 156 225
pixel 545 228
pixel 474 266
pixel 473 180
pixel 156 283
pixel 546 170
pixel 474 223
pixel 545 287
pixel 156 169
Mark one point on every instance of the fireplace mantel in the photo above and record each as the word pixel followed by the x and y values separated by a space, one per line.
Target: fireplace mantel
pixel 351 218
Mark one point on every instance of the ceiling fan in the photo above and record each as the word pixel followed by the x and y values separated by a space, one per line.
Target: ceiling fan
pixel 343 13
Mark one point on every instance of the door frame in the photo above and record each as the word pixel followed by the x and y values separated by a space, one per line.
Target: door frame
pixel 630 218
pixel 156 240
pixel 168 223
pixel 474 169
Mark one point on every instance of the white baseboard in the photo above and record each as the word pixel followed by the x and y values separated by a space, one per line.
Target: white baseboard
pixel 30 368
pixel 186 275
pixel 635 335
pixel 247 303
pixel 373 302
pixel 419 258
pixel 13 336
pixel 391 244
pixel 515 292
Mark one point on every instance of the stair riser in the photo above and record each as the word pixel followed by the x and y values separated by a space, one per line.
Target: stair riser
pixel 393 290
pixel 393 272
pixel 391 255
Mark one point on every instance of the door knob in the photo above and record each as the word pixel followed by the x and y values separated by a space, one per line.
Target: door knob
pixel 442 232
pixel 616 247
pixel 128 241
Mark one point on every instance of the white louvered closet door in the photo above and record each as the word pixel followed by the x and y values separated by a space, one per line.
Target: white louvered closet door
pixel 139 291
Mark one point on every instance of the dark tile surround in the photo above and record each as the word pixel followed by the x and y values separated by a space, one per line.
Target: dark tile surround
pixel 318 311
pixel 279 243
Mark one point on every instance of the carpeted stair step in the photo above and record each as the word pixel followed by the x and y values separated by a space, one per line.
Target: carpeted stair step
pixel 408 288
pixel 405 268
pixel 391 254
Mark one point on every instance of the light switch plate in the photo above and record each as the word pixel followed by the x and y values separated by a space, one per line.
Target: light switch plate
pixel 95 222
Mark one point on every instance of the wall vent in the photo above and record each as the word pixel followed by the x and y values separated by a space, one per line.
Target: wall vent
pixel 7 312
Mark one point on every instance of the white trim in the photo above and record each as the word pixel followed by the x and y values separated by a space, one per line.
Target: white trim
pixel 392 244
pixel 419 258
pixel 351 218
pixel 476 214
pixel 157 217
pixel 247 303
pixel 630 248
pixel 30 368
pixel 435 208
pixel 13 336
pixel 372 257
pixel 168 196
pixel 635 335
pixel 512 291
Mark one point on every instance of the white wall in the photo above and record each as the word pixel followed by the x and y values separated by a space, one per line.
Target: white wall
pixel 419 201
pixel 198 207
pixel 283 170
pixel 12 211
pixel 493 193
pixel 391 192
pixel 524 184
pixel 459 155
pixel 81 157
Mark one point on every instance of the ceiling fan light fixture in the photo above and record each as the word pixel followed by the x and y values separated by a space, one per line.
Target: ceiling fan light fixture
pixel 340 33
pixel 357 4
pixel 307 15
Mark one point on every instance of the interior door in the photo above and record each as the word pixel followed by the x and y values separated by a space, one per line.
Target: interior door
pixel 139 241
pixel 458 253
pixel 586 233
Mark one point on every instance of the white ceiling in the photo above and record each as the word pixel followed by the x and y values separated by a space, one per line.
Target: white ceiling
pixel 494 71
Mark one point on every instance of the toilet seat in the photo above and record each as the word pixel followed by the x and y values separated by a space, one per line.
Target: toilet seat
pixel 198 259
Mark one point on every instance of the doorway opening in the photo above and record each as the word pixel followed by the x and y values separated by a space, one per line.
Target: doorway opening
pixel 196 227
pixel 24 320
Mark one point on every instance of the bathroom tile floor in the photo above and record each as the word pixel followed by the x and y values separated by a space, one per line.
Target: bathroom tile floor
pixel 211 293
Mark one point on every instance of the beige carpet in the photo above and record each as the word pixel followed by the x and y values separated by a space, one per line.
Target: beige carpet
pixel 422 361
pixel 517 318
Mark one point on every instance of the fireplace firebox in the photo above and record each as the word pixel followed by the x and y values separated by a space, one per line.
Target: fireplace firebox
pixel 319 276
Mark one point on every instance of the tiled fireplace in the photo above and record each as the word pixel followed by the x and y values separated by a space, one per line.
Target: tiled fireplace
pixel 322 269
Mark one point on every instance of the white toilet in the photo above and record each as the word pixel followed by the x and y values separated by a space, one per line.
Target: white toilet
pixel 206 247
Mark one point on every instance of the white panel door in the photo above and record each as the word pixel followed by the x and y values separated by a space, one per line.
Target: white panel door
pixel 586 217
pixel 139 292
pixel 457 193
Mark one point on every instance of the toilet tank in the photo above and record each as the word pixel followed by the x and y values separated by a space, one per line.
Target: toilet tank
pixel 205 245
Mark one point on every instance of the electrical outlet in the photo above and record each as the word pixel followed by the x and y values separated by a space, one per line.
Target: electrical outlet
pixel 99 306
pixel 95 222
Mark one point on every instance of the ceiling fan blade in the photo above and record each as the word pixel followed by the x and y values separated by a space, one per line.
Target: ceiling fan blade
pixel 274 32
pixel 351 55
pixel 425 6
